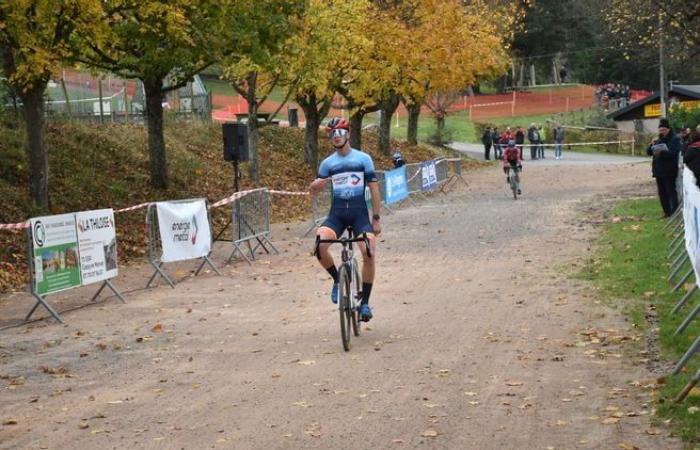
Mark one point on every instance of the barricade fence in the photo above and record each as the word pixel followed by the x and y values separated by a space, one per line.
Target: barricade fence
pixel 683 252
pixel 182 230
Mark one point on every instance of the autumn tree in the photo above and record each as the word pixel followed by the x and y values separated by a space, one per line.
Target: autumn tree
pixel 35 37
pixel 163 43
pixel 255 66
pixel 454 43
pixel 329 46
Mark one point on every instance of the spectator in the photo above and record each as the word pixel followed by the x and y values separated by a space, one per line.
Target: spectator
pixel 540 143
pixel 692 155
pixel 487 140
pixel 684 134
pixel 664 151
pixel 496 138
pixel 520 139
pixel 558 141
pixel 533 136
pixel 506 136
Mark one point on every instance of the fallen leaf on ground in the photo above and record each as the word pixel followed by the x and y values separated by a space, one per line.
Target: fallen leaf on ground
pixel 611 420
pixel 9 422
pixel 653 432
pixel 429 433
pixel 157 328
pixel 627 446
pixel 514 383
pixel 308 362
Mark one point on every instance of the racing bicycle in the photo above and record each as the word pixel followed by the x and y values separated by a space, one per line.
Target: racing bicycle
pixel 513 181
pixel 350 280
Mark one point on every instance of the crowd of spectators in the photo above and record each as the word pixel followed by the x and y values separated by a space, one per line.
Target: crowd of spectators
pixel 612 96
pixel 535 135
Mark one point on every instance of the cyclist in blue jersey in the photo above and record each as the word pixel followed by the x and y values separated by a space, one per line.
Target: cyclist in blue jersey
pixel 349 171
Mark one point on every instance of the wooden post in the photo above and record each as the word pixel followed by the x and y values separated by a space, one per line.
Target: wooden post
pixel 99 93
pixel 512 105
pixel 470 112
pixel 65 97
pixel 567 104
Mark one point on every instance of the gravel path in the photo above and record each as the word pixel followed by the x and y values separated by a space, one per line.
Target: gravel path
pixel 481 340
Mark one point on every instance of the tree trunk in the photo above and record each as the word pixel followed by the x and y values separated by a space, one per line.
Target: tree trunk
pixel 156 140
pixel 388 107
pixel 33 101
pixel 313 122
pixel 413 115
pixel 521 77
pixel 533 80
pixel 440 120
pixel 356 129
pixel 253 134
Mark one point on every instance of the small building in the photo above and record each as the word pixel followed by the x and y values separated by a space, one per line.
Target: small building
pixel 643 115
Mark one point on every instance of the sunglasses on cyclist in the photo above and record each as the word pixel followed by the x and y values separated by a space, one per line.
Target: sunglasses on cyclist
pixel 339 132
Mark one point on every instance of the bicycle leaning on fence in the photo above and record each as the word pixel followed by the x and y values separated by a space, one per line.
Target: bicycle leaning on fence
pixel 350 280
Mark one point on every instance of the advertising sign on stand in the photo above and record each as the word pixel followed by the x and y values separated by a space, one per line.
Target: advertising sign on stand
pixel 184 230
pixel 395 185
pixel 55 253
pixel 97 241
pixel 429 175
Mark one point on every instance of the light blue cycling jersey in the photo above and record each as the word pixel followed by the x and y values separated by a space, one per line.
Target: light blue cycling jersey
pixel 349 174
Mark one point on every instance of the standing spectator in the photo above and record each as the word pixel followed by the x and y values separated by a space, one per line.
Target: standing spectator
pixel 540 143
pixel 664 166
pixel 692 155
pixel 684 134
pixel 496 138
pixel 533 136
pixel 558 141
pixel 520 140
pixel 487 140
pixel 506 136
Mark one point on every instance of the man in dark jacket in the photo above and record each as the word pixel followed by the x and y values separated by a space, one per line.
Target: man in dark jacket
pixel 534 137
pixel 664 166
pixel 496 138
pixel 487 140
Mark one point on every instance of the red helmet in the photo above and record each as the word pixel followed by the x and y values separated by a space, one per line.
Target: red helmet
pixel 337 123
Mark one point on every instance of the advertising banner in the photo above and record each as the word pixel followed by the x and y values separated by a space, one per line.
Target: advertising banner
pixel 184 230
pixel 97 242
pixel 691 218
pixel 55 252
pixel 429 176
pixel 395 185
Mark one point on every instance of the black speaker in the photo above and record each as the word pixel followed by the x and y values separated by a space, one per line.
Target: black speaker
pixel 235 142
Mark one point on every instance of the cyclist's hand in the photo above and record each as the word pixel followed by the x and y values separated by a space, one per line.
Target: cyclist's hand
pixel 376 227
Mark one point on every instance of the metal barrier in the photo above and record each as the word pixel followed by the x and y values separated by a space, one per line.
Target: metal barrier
pixel 454 173
pixel 155 245
pixel 320 207
pixel 679 254
pixel 251 223
pixel 415 181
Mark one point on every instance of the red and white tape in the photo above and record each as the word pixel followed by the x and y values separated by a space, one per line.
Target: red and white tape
pixel 288 192
pixel 132 208
pixel 14 226
pixel 233 197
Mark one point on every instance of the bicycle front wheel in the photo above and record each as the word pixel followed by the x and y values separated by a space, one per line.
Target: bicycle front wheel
pixel 344 310
pixel 355 307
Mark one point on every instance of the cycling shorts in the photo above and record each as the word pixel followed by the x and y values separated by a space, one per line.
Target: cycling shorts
pixel 339 219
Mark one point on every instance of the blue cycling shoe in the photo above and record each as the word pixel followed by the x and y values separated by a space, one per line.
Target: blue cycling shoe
pixel 334 293
pixel 365 313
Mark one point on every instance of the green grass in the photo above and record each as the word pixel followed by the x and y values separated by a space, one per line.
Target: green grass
pixel 630 269
pixel 223 87
pixel 462 129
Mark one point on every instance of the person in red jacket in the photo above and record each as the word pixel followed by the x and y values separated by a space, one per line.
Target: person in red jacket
pixel 512 158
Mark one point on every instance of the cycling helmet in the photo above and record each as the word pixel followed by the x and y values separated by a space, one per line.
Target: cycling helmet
pixel 397 157
pixel 511 143
pixel 337 123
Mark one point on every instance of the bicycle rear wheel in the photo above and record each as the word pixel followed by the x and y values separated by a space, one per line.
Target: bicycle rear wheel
pixel 355 312
pixel 344 307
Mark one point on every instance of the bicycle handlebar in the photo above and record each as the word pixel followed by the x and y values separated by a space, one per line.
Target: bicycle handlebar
pixel 344 241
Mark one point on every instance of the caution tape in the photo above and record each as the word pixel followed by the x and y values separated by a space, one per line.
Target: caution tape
pixel 288 192
pixel 14 226
pixel 132 208
pixel 231 198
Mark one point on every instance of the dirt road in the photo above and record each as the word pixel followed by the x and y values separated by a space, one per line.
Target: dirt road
pixel 481 340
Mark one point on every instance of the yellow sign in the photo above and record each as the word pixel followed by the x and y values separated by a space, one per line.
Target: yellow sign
pixel 654 109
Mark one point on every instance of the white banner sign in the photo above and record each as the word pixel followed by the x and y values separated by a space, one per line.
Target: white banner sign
pixel 184 230
pixel 97 242
pixel 691 218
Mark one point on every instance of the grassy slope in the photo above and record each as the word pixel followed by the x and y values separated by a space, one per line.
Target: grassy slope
pixel 95 166
pixel 631 270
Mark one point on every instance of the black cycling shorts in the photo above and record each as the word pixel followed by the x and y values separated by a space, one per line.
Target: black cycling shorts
pixel 339 219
